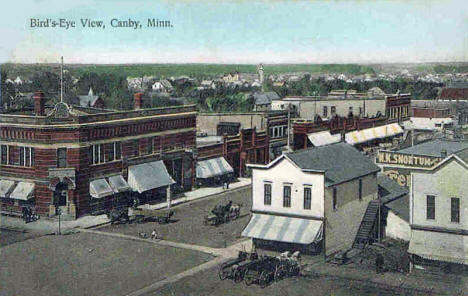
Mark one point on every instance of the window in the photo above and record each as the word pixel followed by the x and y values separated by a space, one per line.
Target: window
pixel 307 198
pixel 360 111
pixel 4 154
pixel 149 146
pixel 325 111
pixel 118 150
pixel 26 156
pixel 455 210
pixel 62 157
pixel 333 110
pixel 350 109
pixel 136 147
pixel 334 201
pixel 430 207
pixel 267 194
pixel 287 196
pixel 360 189
pixel 110 152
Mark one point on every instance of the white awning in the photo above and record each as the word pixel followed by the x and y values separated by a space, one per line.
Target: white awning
pixel 439 246
pixel 323 138
pixel 118 184
pixel 213 167
pixel 284 229
pixel 23 191
pixel 147 176
pixel 100 188
pixel 369 134
pixel 5 187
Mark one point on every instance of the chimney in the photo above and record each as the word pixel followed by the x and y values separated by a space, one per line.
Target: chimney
pixel 443 153
pixel 39 103
pixel 138 101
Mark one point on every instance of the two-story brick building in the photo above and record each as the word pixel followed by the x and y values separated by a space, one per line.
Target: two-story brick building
pixel 68 157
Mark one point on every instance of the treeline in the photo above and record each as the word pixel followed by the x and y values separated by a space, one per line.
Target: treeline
pixel 320 86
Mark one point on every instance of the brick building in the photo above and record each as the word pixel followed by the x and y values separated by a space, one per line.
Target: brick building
pixel 67 157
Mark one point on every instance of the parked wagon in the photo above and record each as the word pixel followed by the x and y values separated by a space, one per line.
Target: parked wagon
pixel 288 265
pixel 262 271
pixel 222 214
pixel 235 269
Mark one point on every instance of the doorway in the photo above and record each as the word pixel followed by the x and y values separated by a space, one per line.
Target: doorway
pixel 61 197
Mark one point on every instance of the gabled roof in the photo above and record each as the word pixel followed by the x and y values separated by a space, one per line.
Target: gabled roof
pixel 341 162
pixel 265 97
pixel 391 189
pixel 435 147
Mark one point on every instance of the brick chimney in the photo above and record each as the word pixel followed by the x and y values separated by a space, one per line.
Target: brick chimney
pixel 138 101
pixel 39 103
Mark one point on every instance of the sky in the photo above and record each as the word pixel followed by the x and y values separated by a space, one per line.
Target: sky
pixel 240 32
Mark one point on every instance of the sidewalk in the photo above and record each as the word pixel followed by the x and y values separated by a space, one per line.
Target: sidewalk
pixel 197 194
pixel 47 225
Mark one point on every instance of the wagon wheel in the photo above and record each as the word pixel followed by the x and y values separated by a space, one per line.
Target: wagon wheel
pixel 279 273
pixel 237 275
pixel 263 280
pixel 222 274
pixel 248 280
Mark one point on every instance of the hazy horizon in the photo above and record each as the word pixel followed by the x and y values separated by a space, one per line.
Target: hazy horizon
pixel 239 32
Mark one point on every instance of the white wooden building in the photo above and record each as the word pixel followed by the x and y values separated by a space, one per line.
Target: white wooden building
pixel 298 193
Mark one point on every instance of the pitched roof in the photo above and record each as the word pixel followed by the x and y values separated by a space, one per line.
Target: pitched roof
pixel 463 154
pixel 89 100
pixel 389 190
pixel 435 147
pixel 341 162
pixel 400 207
pixel 263 98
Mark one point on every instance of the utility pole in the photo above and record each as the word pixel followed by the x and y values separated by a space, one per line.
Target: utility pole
pixel 289 127
pixel 61 80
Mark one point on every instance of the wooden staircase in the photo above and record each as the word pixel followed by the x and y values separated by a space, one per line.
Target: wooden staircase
pixel 365 234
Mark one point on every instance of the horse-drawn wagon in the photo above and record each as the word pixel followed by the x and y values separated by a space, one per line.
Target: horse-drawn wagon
pixel 223 213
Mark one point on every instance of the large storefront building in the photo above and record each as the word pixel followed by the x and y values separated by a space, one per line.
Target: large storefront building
pixel 82 160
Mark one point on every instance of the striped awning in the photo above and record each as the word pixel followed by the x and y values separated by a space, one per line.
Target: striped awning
pixel 147 176
pixel 213 167
pixel 23 191
pixel 5 187
pixel 369 134
pixel 439 246
pixel 284 229
pixel 323 138
pixel 118 184
pixel 100 188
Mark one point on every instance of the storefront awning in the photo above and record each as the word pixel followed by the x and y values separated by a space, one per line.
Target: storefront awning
pixel 23 191
pixel 369 134
pixel 118 184
pixel 5 187
pixel 323 138
pixel 284 229
pixel 100 188
pixel 439 246
pixel 213 167
pixel 147 176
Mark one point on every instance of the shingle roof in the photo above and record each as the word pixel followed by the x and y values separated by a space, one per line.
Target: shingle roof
pixel 265 98
pixel 435 147
pixel 400 207
pixel 391 189
pixel 341 162
pixel 463 154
